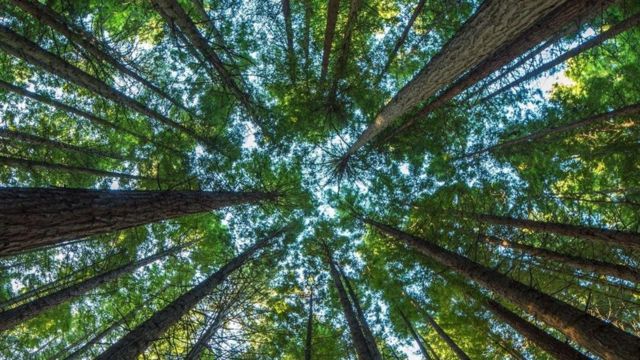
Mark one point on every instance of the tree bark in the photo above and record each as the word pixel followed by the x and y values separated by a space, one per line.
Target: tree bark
pixel 595 41
pixel 329 33
pixel 446 338
pixel 137 340
pixel 345 48
pixel 599 337
pixel 587 265
pixel 415 336
pixel 54 144
pixel 546 342
pixel 31 164
pixel 291 55
pixel 629 110
pixel 494 25
pixel 24 312
pixel 36 217
pixel 629 240
pixel 364 325
pixel 174 13
pixel 21 47
pixel 357 337
pixel 308 348
pixel 401 40
pixel 87 41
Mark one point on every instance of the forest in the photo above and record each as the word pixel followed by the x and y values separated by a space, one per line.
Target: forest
pixel 320 179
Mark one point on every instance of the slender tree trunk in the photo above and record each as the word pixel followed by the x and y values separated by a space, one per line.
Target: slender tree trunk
pixel 24 312
pixel 329 33
pixel 35 164
pixel 345 48
pixel 446 338
pixel 415 336
pixel 196 351
pixel 137 340
pixel 506 347
pixel 21 47
pixel 357 337
pixel 54 144
pixel 308 348
pixel 46 15
pixel 495 24
pixel 629 110
pixel 174 13
pixel 36 217
pixel 217 35
pixel 624 239
pixel 598 336
pixel 619 28
pixel 291 55
pixel 546 342
pixel 586 265
pixel 364 325
pixel 401 40
pixel 308 13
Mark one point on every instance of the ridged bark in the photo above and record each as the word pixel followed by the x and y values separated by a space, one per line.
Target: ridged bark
pixel 415 336
pixel 174 13
pixel 23 48
pixel 546 342
pixel 624 239
pixel 446 338
pixel 137 340
pixel 357 337
pixel 494 25
pixel 329 33
pixel 291 55
pixel 36 164
pixel 36 217
pixel 567 16
pixel 24 312
pixel 54 144
pixel 401 40
pixel 46 15
pixel 590 44
pixel 600 337
pixel 587 265
pixel 308 344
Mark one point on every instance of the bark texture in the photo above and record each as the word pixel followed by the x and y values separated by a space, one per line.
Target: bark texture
pixel 624 239
pixel 36 217
pixel 24 312
pixel 495 24
pixel 138 339
pixel 21 47
pixel 329 33
pixel 345 48
pixel 600 337
pixel 546 342
pixel 291 55
pixel 587 265
pixel 446 338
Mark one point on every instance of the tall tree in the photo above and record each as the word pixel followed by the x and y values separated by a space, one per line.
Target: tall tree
pixel 598 336
pixel 137 340
pixel 291 55
pixel 446 338
pixel 332 18
pixel 415 336
pixel 345 48
pixel 308 344
pixel 36 217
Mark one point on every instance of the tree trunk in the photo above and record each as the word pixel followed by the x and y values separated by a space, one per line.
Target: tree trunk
pixel 629 110
pixel 24 312
pixel 21 47
pixel 624 239
pixel 446 338
pixel 308 348
pixel 345 48
pixel 586 265
pixel 329 33
pixel 598 336
pixel 196 351
pixel 54 144
pixel 36 217
pixel 415 336
pixel 595 41
pixel 308 13
pixel 31 164
pixel 546 342
pixel 357 337
pixel 291 55
pixel 137 340
pixel 174 13
pixel 401 40
pixel 46 15
pixel 506 347
pixel 494 25
pixel 568 15
pixel 364 325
